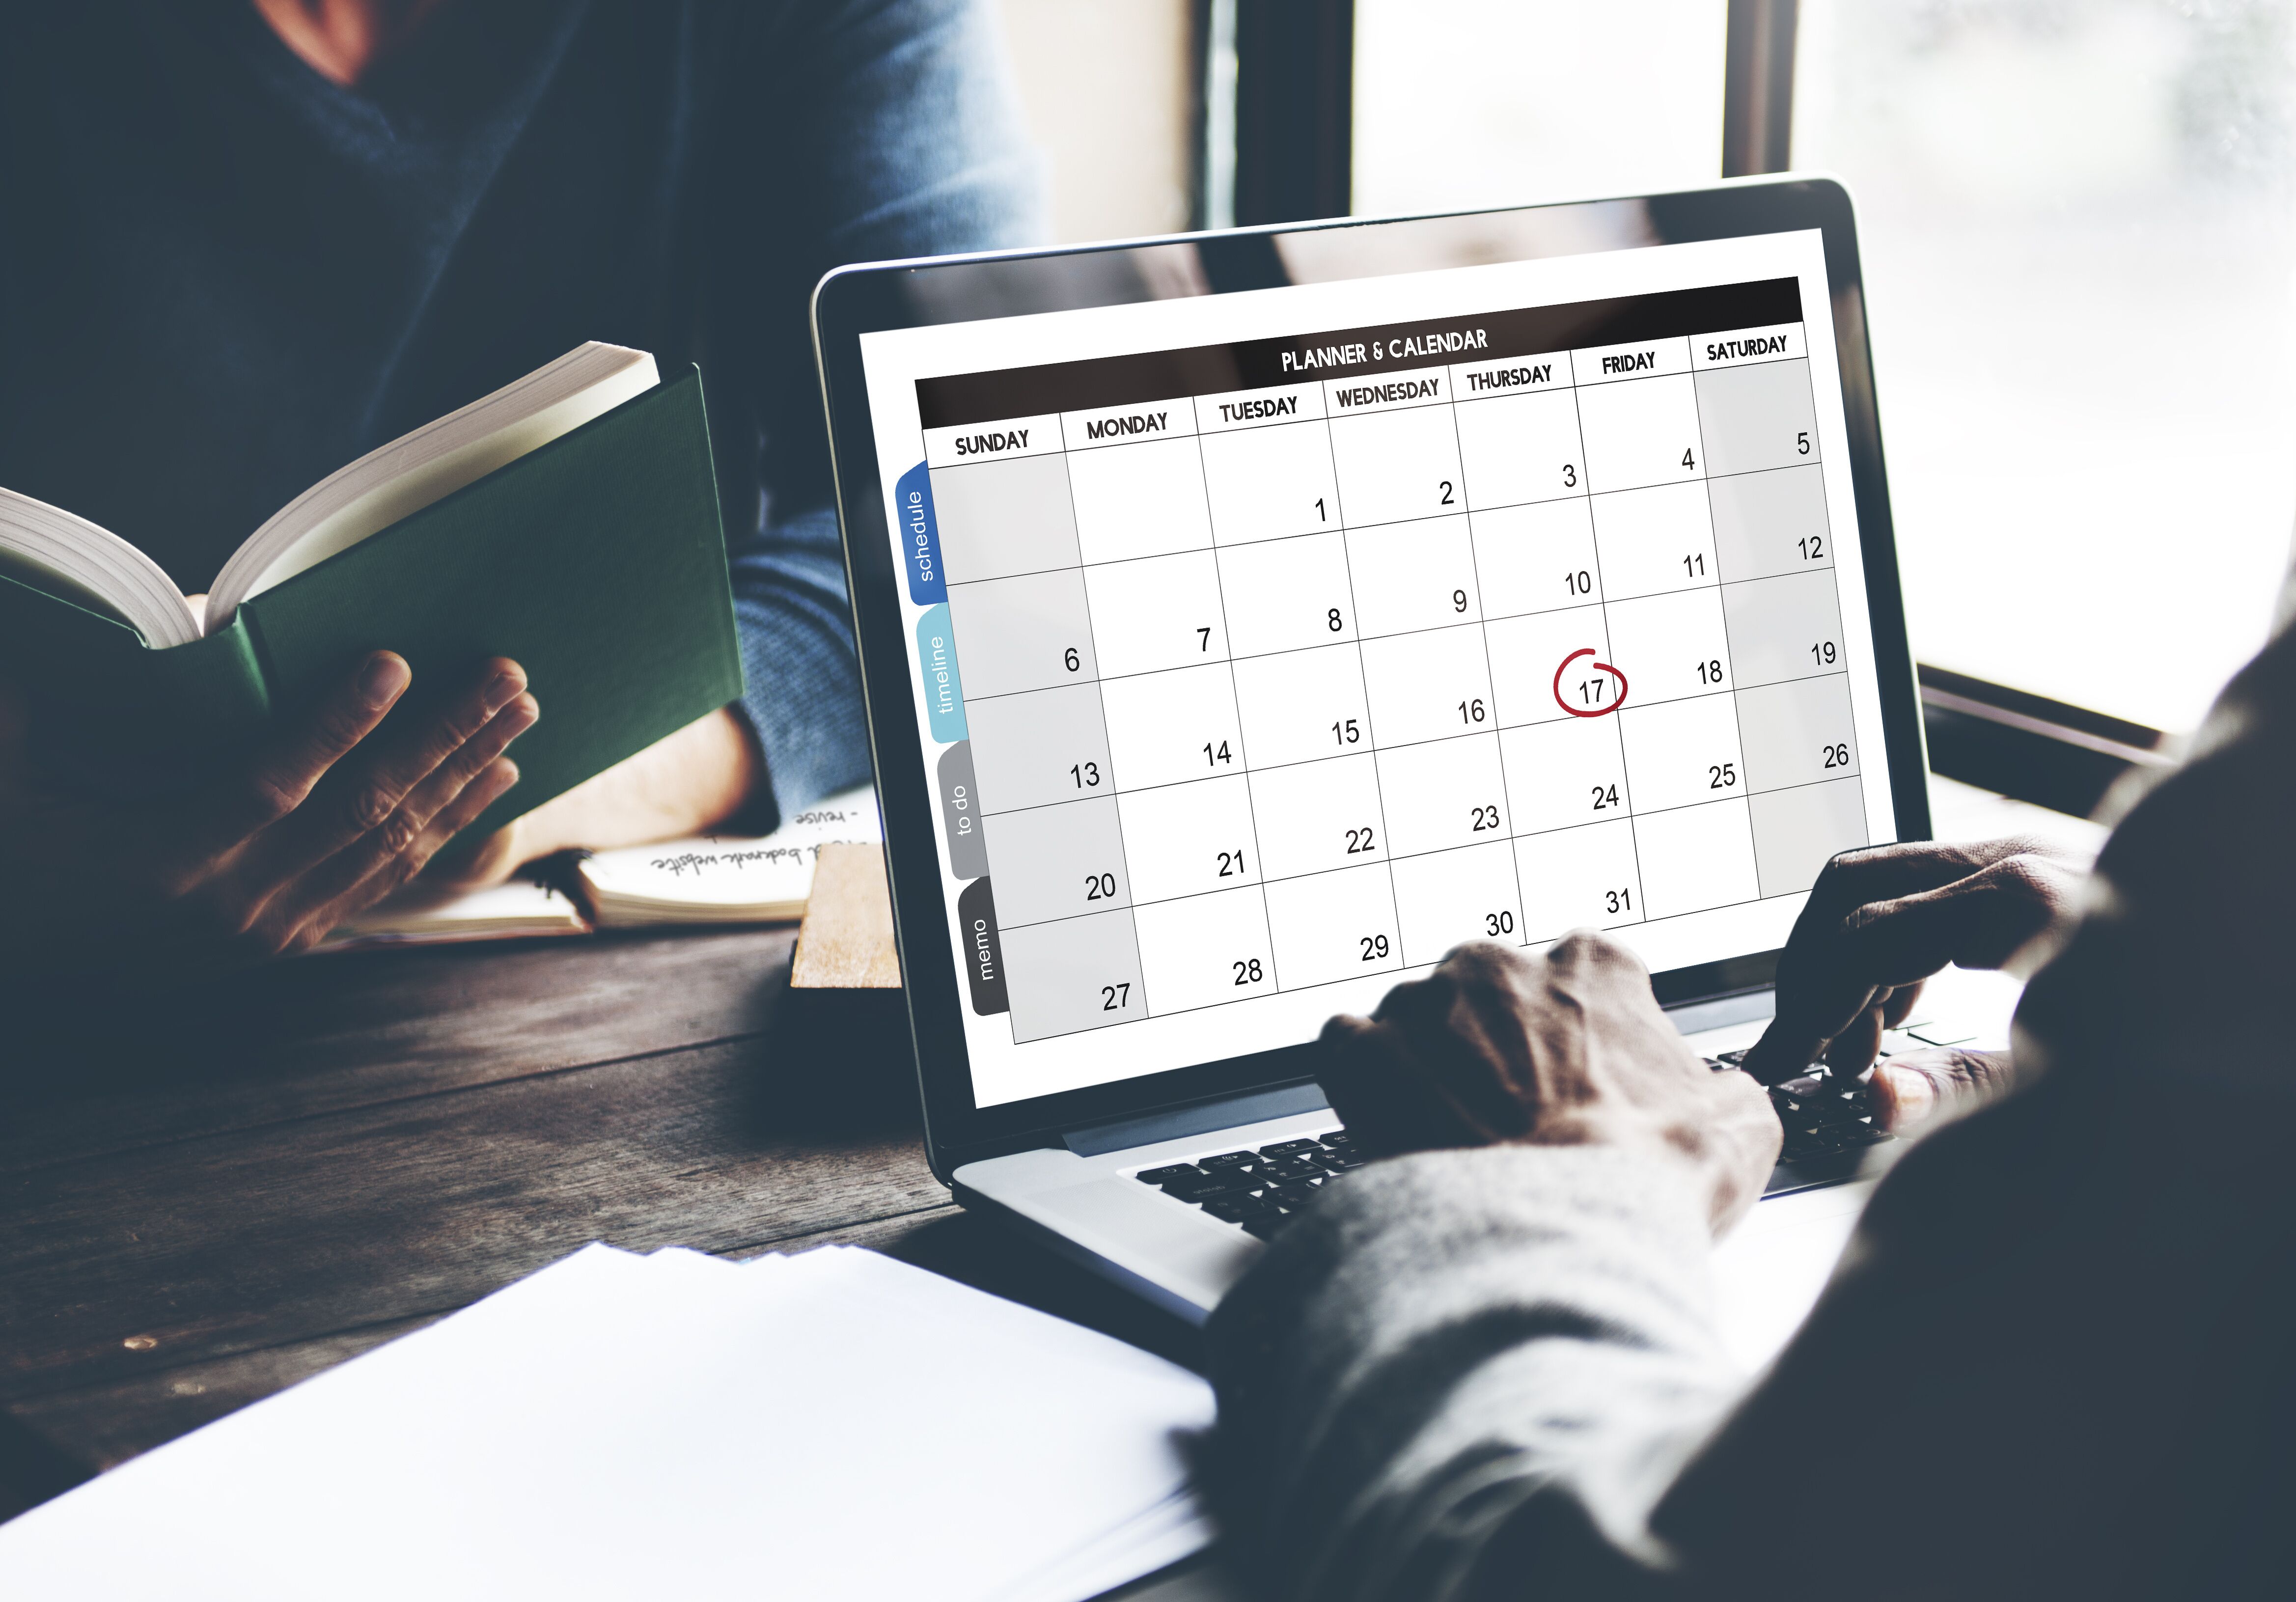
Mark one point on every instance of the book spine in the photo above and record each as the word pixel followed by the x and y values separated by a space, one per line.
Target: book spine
pixel 208 694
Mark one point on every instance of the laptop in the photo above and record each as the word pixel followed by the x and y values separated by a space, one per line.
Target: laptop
pixel 1248 619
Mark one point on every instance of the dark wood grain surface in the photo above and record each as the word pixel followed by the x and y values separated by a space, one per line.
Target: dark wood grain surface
pixel 208 1193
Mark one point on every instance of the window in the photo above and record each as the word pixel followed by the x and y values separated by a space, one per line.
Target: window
pixel 1493 103
pixel 1108 91
pixel 2078 251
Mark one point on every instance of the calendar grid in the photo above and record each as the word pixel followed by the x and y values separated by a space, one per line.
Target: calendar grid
pixel 1363 674
pixel 1318 984
pixel 1255 510
pixel 1440 850
pixel 1602 588
pixel 1243 744
pixel 1091 638
pixel 1400 634
pixel 1729 657
pixel 1482 620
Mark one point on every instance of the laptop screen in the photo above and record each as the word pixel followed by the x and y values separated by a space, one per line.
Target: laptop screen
pixel 1270 644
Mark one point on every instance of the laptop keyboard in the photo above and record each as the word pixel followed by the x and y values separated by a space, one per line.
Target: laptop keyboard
pixel 1825 1118
pixel 1258 1189
pixel 1824 1115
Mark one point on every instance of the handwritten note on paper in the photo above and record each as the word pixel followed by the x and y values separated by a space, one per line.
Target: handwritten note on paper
pixel 726 878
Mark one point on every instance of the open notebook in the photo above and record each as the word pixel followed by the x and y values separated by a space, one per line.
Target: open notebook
pixel 703 880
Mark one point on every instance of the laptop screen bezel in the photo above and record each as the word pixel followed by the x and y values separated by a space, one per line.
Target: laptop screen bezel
pixel 853 301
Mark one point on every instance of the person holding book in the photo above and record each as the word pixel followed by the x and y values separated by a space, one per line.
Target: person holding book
pixel 273 234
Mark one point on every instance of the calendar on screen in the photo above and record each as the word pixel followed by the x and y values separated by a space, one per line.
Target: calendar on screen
pixel 1264 656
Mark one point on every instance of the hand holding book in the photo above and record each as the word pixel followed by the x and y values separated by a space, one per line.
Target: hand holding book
pixel 567 522
pixel 264 853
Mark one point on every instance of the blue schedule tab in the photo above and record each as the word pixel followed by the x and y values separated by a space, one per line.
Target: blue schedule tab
pixel 937 660
pixel 919 536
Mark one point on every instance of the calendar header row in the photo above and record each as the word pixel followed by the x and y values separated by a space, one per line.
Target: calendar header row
pixel 1715 325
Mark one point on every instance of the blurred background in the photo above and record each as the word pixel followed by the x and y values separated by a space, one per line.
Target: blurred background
pixel 2076 220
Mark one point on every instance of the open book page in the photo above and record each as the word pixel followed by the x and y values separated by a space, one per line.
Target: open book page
pixel 725 879
pixel 73 560
pixel 425 915
pixel 398 480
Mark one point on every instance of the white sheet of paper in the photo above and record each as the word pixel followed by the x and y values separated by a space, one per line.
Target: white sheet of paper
pixel 729 870
pixel 834 1424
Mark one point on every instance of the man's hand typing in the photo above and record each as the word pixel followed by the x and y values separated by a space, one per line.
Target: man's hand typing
pixel 1878 923
pixel 1566 1048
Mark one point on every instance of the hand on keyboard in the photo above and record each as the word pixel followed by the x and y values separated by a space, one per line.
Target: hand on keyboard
pixel 1917 1087
pixel 1880 922
pixel 1564 1049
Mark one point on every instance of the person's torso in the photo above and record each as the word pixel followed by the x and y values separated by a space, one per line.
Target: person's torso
pixel 224 275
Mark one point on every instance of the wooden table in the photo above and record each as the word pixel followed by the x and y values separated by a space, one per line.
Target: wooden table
pixel 209 1197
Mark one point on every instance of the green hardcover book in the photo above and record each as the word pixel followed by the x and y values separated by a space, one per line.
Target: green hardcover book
pixel 568 522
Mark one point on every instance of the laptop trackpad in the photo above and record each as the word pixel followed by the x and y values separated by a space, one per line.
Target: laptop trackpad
pixel 1150 1233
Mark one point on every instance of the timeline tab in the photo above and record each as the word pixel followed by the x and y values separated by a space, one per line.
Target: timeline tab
pixel 1779 343
pixel 1649 358
pixel 972 442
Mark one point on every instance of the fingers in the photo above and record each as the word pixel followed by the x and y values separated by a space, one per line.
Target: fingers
pixel 285 773
pixel 1858 1043
pixel 1847 956
pixel 1900 1005
pixel 359 800
pixel 1979 922
pixel 396 841
pixel 482 792
pixel 1854 1049
pixel 492 860
pixel 1923 1087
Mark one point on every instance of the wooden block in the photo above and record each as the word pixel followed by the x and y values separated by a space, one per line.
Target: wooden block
pixel 846 942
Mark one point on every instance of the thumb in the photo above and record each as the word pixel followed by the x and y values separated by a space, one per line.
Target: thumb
pixel 1923 1088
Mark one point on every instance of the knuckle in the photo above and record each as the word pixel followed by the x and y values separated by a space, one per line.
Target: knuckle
pixel 370 806
pixel 398 835
pixel 2026 876
pixel 339 729
pixel 1585 947
pixel 403 867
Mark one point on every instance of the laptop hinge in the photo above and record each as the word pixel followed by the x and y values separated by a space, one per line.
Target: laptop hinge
pixel 1177 1123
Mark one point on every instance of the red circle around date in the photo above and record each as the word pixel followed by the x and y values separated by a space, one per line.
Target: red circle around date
pixel 1617 700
